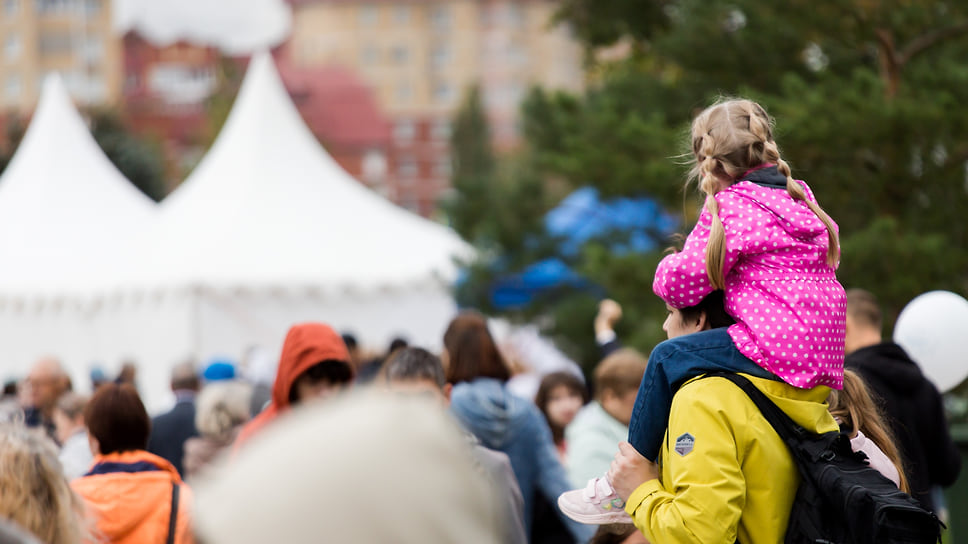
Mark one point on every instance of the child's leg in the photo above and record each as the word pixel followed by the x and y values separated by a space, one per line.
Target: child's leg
pixel 672 363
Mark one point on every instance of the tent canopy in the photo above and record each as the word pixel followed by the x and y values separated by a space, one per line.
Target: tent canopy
pixel 268 208
pixel 67 216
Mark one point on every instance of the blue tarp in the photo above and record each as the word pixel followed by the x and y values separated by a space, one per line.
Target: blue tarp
pixel 625 224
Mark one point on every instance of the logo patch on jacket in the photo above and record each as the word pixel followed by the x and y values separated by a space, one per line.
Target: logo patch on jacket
pixel 684 444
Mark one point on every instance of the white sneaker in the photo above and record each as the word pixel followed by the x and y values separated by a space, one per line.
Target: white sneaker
pixel 597 504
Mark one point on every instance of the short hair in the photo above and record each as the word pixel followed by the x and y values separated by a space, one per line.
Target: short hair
pixel 714 306
pixel 221 407
pixel 72 404
pixel 185 376
pixel 397 343
pixel 411 364
pixel 333 371
pixel 471 351
pixel 620 372
pixel 349 340
pixel 117 418
pixel 863 309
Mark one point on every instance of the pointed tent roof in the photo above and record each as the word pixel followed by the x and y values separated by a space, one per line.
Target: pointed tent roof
pixel 66 213
pixel 269 208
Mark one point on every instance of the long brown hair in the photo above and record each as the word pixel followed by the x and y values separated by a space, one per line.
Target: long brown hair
pixel 548 384
pixel 856 410
pixel 730 138
pixel 471 351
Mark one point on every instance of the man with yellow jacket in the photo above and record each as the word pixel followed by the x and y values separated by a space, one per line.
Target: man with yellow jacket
pixel 725 474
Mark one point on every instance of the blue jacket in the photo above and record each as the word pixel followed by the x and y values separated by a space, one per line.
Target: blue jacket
pixel 510 424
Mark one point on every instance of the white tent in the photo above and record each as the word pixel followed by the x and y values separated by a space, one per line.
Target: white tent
pixel 269 231
pixel 67 218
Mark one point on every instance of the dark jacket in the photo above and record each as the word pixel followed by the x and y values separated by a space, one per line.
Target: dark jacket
pixel 914 411
pixel 170 430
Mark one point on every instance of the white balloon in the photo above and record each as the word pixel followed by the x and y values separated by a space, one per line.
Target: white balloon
pixel 933 329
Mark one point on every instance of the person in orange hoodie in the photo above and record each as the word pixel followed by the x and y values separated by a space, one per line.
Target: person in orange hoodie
pixel 134 497
pixel 314 364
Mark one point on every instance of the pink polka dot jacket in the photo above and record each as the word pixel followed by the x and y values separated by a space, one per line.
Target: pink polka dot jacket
pixel 788 305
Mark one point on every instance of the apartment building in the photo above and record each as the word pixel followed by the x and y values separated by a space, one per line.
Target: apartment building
pixel 420 56
pixel 71 37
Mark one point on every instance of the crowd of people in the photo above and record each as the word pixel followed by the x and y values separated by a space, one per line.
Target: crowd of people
pixel 412 446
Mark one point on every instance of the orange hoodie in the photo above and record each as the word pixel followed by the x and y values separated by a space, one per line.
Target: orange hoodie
pixel 129 497
pixel 306 345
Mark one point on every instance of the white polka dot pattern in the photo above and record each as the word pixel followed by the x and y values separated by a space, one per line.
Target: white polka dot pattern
pixel 788 305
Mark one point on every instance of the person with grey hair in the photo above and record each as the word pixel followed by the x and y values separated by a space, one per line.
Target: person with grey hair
pixel 417 371
pixel 222 408
pixel 75 454
pixel 170 430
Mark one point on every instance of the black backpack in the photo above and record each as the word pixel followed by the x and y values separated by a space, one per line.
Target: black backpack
pixel 841 500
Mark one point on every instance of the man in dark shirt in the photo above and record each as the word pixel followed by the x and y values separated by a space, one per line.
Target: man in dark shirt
pixel 170 430
pixel 910 403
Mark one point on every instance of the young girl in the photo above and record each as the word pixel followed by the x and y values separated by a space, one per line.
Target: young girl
pixel 765 241
pixel 859 417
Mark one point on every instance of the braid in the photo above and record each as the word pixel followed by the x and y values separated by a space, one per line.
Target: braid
pixel 716 246
pixel 796 192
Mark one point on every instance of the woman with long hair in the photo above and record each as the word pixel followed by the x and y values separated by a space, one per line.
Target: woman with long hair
pixel 34 494
pixel 502 421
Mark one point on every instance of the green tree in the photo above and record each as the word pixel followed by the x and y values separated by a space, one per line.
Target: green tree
pixel 865 94
pixel 139 161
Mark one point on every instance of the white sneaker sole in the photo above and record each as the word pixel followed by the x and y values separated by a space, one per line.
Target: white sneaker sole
pixel 619 516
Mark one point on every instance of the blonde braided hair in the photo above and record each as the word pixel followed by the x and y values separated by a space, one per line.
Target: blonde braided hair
pixel 728 139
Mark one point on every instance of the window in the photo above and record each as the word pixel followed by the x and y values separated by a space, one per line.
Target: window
pixel 55 43
pixel 407 168
pixel 440 17
pixel 92 7
pixel 444 92
pixel 401 14
pixel 12 46
pixel 93 50
pixel 404 92
pixel 374 166
pixel 11 7
pixel 369 54
pixel 400 54
pixel 369 15
pixel 404 131
pixel 441 55
pixel 441 129
pixel 443 168
pixel 12 86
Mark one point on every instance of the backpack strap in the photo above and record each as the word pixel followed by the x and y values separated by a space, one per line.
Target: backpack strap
pixel 789 431
pixel 173 518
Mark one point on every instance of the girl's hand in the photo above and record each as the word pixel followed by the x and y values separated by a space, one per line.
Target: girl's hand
pixel 630 470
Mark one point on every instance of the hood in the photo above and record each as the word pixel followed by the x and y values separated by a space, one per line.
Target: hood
pixel 889 363
pixel 758 185
pixel 306 345
pixel 126 490
pixel 486 408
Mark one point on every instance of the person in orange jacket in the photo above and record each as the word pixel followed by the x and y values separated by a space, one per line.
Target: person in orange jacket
pixel 314 364
pixel 135 497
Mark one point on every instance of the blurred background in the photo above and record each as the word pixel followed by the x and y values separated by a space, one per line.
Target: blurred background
pixel 549 134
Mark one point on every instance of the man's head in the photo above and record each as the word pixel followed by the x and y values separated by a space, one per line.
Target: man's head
pixel 69 415
pixel 416 370
pixel 617 381
pixel 46 382
pixel 710 313
pixel 864 320
pixel 320 381
pixel 184 377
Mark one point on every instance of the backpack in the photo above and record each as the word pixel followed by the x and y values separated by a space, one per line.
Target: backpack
pixel 841 500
